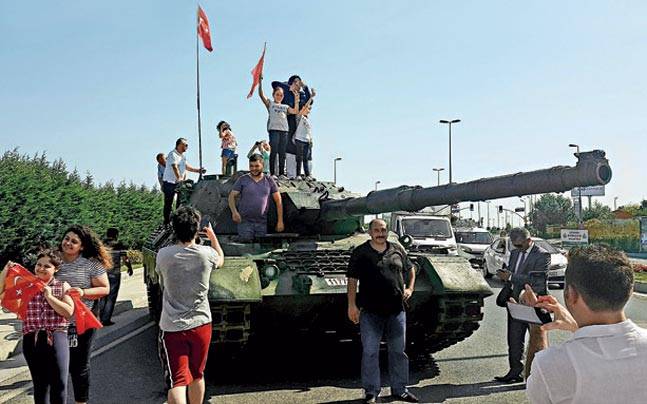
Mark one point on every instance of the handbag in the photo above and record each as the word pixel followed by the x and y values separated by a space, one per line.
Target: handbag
pixel 504 295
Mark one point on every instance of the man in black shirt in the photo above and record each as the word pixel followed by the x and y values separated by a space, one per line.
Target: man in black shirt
pixel 381 267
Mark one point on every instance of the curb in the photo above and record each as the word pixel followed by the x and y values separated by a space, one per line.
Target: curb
pixel 125 323
pixel 640 287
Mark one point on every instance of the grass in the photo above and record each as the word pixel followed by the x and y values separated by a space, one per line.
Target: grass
pixel 641 277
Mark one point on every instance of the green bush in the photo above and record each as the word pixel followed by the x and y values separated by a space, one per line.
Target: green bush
pixel 627 244
pixel 41 199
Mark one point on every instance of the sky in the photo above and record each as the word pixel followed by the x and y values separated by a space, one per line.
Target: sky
pixel 107 85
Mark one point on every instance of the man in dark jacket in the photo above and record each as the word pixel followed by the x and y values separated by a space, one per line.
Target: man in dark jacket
pixel 529 265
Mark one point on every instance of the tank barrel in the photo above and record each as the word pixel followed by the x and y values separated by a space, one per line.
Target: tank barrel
pixel 592 168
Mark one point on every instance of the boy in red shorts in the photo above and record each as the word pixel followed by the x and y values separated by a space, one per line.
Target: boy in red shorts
pixel 185 326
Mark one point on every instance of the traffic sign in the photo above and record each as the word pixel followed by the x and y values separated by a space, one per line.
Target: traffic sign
pixel 595 190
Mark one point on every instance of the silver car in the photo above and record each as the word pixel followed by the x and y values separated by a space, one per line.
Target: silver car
pixel 498 253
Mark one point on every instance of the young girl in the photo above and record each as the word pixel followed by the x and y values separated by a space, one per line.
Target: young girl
pixel 45 342
pixel 228 144
pixel 263 148
pixel 277 124
pixel 303 137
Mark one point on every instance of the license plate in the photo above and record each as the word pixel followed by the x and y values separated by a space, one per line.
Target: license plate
pixel 336 282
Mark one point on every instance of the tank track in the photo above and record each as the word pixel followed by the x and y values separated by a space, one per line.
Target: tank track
pixel 457 318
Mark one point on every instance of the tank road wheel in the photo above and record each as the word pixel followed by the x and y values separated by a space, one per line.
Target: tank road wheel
pixel 485 270
pixel 154 301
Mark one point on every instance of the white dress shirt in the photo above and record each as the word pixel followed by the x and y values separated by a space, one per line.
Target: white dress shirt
pixel 599 364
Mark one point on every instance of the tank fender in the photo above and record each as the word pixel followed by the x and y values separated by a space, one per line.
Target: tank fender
pixel 449 274
pixel 237 281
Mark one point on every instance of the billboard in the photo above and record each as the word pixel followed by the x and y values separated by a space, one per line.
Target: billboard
pixel 595 190
pixel 574 237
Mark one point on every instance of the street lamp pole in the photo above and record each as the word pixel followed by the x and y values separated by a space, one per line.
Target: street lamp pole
pixel 334 167
pixel 579 189
pixel 438 170
pixel 488 213
pixel 376 183
pixel 449 123
pixel 615 203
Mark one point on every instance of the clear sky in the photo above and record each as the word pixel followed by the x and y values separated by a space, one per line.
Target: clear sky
pixel 107 85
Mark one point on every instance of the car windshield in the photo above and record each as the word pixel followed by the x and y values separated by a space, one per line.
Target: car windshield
pixel 546 246
pixel 469 237
pixel 543 244
pixel 422 227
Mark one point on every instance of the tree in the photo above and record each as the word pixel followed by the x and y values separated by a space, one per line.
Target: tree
pixel 597 211
pixel 551 209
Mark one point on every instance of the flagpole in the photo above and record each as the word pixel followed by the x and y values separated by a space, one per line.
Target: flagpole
pixel 197 73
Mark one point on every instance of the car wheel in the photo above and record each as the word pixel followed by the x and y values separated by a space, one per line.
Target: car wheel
pixel 486 272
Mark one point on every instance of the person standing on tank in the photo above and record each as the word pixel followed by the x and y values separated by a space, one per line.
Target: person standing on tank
pixel 175 173
pixel 119 254
pixel 85 260
pixel 161 165
pixel 387 277
pixel 253 191
pixel 277 124
pixel 184 271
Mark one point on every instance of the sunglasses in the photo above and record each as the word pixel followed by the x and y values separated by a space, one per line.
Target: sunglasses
pixel 519 246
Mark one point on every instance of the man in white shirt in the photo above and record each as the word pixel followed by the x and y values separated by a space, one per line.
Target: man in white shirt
pixel 174 173
pixel 605 361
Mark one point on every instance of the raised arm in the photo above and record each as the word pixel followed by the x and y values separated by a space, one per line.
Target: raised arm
pixel 266 102
pixel 215 245
pixel 251 151
pixel 307 104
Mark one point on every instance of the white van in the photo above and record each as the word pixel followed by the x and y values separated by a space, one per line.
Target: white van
pixel 430 233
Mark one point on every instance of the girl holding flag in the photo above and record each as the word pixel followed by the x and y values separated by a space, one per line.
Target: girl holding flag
pixel 85 260
pixel 45 322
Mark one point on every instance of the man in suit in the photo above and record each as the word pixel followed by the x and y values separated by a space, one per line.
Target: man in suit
pixel 528 265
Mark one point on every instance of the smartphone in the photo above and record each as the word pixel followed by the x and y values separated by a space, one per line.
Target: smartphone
pixel 527 314
pixel 206 221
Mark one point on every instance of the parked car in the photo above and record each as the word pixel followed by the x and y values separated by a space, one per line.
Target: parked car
pixel 498 253
pixel 472 243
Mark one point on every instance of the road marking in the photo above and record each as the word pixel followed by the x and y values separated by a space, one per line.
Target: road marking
pixel 23 390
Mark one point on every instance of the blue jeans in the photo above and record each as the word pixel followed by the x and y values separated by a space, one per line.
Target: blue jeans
pixel 372 328
pixel 247 231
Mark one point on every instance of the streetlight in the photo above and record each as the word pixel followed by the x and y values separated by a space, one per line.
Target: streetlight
pixel 376 183
pixel 334 167
pixel 488 213
pixel 438 170
pixel 579 189
pixel 450 143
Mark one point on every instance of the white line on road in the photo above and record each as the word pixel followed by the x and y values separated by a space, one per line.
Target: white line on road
pixel 22 390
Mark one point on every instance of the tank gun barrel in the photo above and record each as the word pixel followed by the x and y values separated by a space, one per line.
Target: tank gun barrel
pixel 592 168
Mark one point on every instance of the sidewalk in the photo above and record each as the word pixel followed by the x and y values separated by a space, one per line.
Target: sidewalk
pixel 130 313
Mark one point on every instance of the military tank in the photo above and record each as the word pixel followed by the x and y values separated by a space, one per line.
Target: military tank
pixel 294 282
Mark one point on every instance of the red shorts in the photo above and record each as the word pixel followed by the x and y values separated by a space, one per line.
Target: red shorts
pixel 184 354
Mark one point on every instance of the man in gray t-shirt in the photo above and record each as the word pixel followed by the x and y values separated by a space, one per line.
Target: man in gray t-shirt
pixel 184 270
pixel 254 190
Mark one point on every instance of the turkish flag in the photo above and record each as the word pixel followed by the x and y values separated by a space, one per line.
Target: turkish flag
pixel 257 71
pixel 203 29
pixel 20 287
pixel 82 314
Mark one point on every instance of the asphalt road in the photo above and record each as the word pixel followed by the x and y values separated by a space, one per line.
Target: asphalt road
pixel 311 373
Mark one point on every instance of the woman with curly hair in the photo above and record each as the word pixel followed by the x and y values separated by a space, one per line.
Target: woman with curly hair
pixel 85 260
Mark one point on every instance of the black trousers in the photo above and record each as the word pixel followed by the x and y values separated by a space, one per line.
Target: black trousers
pixel 168 190
pixel 303 150
pixel 80 366
pixel 516 339
pixel 107 303
pixel 48 365
pixel 278 145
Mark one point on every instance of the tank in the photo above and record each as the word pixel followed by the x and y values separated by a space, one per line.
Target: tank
pixel 294 283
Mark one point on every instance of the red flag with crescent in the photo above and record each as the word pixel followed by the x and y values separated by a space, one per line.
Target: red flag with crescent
pixel 20 287
pixel 203 29
pixel 257 71
pixel 83 316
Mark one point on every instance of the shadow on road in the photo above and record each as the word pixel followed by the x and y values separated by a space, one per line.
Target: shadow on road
pixel 441 392
pixel 299 367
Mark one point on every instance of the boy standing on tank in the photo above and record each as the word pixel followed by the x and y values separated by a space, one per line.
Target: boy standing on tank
pixel 380 267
